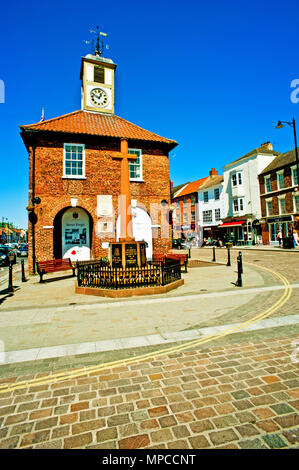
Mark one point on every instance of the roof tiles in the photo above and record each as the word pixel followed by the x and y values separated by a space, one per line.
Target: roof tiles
pixel 92 123
pixel 190 187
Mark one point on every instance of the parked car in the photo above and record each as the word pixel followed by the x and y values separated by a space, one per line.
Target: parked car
pixel 12 245
pixel 22 250
pixel 7 255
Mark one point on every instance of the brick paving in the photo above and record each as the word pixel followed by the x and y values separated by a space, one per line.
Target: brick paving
pixel 240 392
pixel 238 396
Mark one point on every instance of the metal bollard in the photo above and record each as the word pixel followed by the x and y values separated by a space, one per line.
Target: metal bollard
pixel 241 261
pixel 23 271
pixel 214 254
pixel 239 280
pixel 228 256
pixel 10 281
pixel 189 255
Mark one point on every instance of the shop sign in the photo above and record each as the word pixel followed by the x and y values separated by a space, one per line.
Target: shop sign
pixel 283 218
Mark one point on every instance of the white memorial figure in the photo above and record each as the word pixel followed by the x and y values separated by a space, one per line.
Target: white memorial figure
pixel 75 234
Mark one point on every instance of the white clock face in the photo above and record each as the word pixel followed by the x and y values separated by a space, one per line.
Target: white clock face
pixel 99 97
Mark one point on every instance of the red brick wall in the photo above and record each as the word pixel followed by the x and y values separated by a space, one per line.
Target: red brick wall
pixel 287 192
pixel 102 177
pixel 189 209
pixel 274 187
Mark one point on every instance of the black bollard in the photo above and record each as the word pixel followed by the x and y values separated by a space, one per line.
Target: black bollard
pixel 10 281
pixel 241 261
pixel 228 256
pixel 189 255
pixel 214 254
pixel 239 264
pixel 23 271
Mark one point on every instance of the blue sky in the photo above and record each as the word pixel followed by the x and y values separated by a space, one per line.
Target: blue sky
pixel 214 76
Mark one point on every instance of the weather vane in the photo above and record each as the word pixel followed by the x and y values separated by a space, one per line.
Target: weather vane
pixel 97 45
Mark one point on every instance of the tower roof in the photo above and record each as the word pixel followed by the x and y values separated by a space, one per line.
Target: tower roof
pixel 97 124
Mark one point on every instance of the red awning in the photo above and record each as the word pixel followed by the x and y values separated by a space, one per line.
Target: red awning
pixel 233 224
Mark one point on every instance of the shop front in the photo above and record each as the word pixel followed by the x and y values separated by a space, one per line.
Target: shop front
pixel 237 232
pixel 211 233
pixel 275 226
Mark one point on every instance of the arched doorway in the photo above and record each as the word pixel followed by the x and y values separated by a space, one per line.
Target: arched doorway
pixel 142 228
pixel 72 234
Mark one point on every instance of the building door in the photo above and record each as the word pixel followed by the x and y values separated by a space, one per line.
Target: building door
pixel 75 233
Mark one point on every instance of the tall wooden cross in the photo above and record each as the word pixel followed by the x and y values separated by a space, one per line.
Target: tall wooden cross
pixel 126 229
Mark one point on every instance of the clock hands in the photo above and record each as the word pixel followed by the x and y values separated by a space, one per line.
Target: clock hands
pixel 99 96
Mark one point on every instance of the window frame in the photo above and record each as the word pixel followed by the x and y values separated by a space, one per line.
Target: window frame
pixel 235 205
pixel 267 201
pixel 293 169
pixel 206 196
pixel 217 190
pixel 134 151
pixel 282 198
pixel 296 210
pixel 205 213
pixel 267 178
pixel 217 214
pixel 278 174
pixel 82 176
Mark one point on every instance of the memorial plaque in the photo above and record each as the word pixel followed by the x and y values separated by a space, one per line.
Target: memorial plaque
pixel 104 227
pixel 131 254
pixel 116 255
pixel 142 254
pixel 104 206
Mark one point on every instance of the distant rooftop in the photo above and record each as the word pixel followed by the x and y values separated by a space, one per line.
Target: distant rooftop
pixel 264 149
pixel 281 161
pixel 193 186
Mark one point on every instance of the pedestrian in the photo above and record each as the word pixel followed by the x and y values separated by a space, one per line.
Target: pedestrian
pixel 296 241
pixel 279 237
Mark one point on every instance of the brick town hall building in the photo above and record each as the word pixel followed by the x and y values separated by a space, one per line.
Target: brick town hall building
pixel 74 181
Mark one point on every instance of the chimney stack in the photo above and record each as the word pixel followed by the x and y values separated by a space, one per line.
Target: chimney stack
pixel 267 145
pixel 213 172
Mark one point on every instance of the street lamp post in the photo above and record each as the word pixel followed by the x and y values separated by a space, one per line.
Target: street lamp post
pixel 292 124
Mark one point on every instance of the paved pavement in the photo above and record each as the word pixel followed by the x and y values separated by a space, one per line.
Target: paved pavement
pixel 225 373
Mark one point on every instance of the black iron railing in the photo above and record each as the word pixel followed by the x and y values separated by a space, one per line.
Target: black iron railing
pixel 171 272
pixel 95 274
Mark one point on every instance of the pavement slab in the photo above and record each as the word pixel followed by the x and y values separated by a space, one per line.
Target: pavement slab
pixel 238 391
pixel 139 405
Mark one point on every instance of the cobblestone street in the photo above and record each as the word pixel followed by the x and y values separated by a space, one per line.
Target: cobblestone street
pixel 239 391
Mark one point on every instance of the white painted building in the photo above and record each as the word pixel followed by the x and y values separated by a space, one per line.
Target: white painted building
pixel 210 207
pixel 242 196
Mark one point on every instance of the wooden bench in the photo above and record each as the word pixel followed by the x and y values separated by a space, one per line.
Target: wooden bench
pixel 157 257
pixel 182 257
pixel 54 265
pixel 179 256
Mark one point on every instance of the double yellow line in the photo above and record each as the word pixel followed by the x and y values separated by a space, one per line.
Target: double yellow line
pixel 64 376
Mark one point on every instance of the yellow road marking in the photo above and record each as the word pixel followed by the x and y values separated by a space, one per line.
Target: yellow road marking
pixel 75 373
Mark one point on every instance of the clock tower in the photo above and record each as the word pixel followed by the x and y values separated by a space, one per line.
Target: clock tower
pixel 97 78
